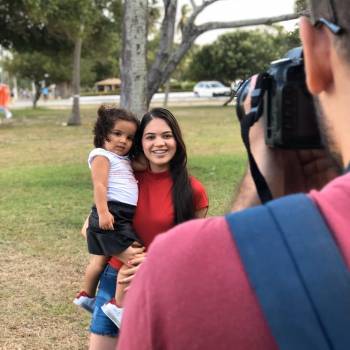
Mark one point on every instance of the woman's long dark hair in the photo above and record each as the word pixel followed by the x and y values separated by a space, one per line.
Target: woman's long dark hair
pixel 182 190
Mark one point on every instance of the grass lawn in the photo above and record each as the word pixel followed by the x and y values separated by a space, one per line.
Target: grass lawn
pixel 45 196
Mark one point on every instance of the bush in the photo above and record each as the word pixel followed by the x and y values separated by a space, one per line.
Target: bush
pixel 178 86
pixel 100 93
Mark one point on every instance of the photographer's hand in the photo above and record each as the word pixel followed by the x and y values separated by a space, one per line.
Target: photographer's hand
pixel 268 161
pixel 285 171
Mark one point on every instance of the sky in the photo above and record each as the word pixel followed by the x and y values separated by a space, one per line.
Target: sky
pixel 229 10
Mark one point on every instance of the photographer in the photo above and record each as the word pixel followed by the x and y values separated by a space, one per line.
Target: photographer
pixel 275 275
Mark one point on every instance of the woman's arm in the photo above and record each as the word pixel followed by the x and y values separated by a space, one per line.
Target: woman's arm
pixel 201 213
pixel 99 172
pixel 126 275
pixel 200 198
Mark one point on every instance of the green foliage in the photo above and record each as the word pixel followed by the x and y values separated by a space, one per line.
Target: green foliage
pixel 35 65
pixel 55 24
pixel 241 53
pixel 180 85
pixel 23 26
pixel 300 5
pixel 154 11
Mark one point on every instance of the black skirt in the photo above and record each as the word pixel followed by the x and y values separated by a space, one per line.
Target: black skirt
pixel 112 242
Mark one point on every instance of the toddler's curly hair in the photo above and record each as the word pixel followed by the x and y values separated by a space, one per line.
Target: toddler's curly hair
pixel 107 116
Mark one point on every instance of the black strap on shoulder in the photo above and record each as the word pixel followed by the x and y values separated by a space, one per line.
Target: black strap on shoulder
pixel 297 273
pixel 248 121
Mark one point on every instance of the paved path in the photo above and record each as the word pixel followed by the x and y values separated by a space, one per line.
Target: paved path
pixel 178 98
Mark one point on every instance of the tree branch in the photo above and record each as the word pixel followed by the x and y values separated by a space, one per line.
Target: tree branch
pixel 194 6
pixel 204 4
pixel 167 60
pixel 244 23
pixel 197 9
pixel 166 42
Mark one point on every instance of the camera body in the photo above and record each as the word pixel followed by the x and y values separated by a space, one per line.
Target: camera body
pixel 287 106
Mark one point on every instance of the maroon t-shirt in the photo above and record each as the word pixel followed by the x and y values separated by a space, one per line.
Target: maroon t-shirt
pixel 193 293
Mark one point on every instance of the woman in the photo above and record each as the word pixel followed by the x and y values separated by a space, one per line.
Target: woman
pixel 167 197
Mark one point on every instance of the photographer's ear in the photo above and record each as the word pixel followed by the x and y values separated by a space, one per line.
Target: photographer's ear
pixel 316 46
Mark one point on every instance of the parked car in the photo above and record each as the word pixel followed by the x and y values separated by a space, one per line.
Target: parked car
pixel 211 89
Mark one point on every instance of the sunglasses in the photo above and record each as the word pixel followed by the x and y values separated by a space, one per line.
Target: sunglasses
pixel 335 28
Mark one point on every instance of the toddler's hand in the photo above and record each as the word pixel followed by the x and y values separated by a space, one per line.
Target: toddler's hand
pixel 106 221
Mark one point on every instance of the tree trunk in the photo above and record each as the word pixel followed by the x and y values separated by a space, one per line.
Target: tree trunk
pixel 37 94
pixel 133 63
pixel 166 93
pixel 75 116
pixel 156 74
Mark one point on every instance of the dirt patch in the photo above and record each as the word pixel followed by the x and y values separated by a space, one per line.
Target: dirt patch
pixel 36 303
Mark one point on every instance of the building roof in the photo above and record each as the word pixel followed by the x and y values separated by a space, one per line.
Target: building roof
pixel 109 81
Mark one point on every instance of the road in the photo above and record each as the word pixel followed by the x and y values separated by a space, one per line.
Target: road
pixel 185 98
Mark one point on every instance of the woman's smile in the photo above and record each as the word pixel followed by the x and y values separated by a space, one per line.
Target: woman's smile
pixel 159 144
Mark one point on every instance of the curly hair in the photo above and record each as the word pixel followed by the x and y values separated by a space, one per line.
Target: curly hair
pixel 107 116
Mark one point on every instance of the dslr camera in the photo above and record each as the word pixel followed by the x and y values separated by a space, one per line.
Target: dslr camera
pixel 285 103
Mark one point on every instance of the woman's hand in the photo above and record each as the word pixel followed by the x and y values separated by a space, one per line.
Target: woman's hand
pixel 121 288
pixel 128 254
pixel 125 275
pixel 132 267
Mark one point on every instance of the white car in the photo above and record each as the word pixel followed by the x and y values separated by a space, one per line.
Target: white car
pixel 211 89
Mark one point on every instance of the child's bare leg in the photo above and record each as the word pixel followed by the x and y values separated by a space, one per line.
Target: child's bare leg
pixel 92 273
pixel 84 228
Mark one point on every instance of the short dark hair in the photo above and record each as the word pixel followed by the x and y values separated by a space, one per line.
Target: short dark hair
pixel 182 193
pixel 338 12
pixel 107 115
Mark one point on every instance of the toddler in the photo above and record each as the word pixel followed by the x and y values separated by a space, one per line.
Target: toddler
pixel 109 230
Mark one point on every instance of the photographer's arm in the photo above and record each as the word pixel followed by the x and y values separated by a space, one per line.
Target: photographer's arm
pixel 267 160
pixel 245 195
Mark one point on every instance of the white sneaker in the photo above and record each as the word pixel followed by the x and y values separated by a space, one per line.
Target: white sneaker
pixel 113 312
pixel 8 114
pixel 84 301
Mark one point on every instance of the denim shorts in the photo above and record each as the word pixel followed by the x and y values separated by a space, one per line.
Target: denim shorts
pixel 100 323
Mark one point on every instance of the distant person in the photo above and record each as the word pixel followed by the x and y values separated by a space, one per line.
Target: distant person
pixel 203 293
pixel 110 231
pixel 5 98
pixel 168 196
pixel 45 93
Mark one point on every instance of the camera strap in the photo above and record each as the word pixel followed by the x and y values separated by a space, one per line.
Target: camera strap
pixel 296 271
pixel 247 122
